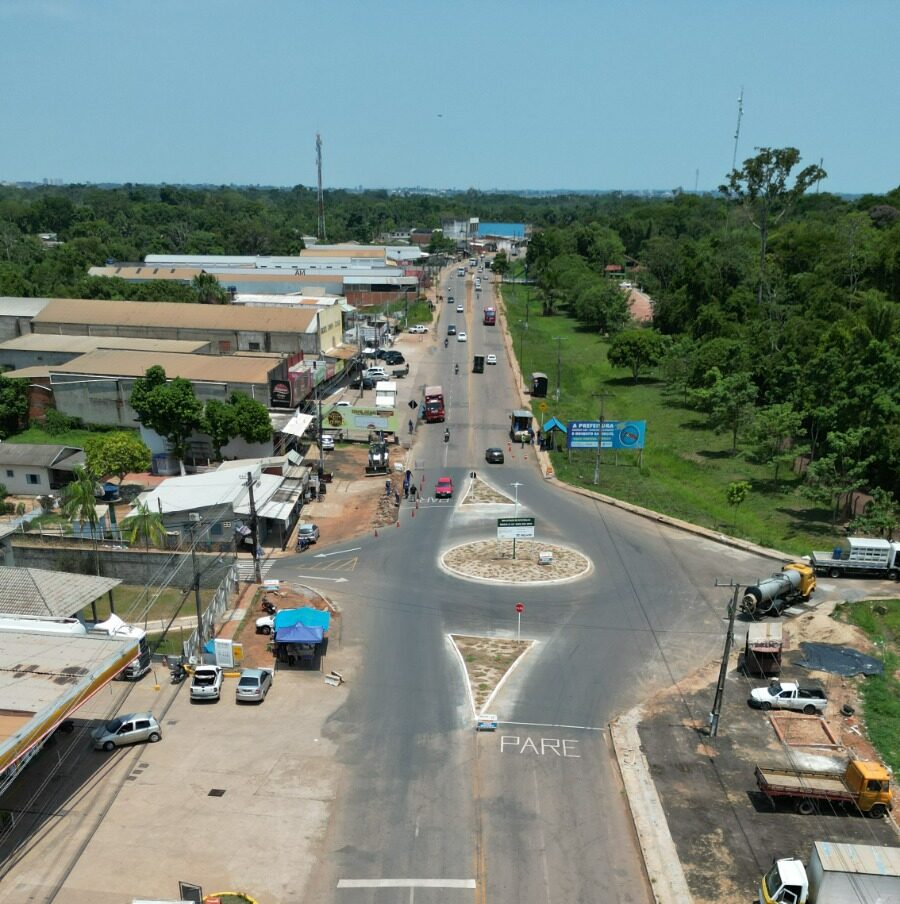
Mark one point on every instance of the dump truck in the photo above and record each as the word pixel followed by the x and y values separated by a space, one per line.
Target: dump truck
pixel 864 785
pixel 837 874
pixel 795 583
pixel 859 557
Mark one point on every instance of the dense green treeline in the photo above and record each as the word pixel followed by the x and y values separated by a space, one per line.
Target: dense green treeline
pixel 783 332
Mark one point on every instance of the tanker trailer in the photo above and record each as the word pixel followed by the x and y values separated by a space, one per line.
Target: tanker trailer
pixel 795 583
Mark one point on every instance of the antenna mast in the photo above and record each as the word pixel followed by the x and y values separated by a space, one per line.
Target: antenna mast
pixel 737 131
pixel 321 195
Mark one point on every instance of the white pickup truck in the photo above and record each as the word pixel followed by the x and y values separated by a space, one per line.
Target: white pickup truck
pixel 788 695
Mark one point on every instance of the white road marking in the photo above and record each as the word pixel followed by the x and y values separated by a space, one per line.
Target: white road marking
pixel 340 552
pixel 553 725
pixel 316 577
pixel 406 883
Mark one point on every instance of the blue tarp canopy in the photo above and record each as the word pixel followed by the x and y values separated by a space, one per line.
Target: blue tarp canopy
pixel 554 424
pixel 311 618
pixel 298 634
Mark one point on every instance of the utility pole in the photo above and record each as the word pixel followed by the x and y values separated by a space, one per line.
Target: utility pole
pixel 254 532
pixel 516 485
pixel 558 364
pixel 723 669
pixel 320 198
pixel 197 593
pixel 737 131
pixel 602 396
pixel 319 431
pixel 522 341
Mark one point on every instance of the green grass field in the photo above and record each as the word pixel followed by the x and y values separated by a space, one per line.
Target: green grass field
pixel 686 466
pixel 36 434
pixel 880 619
pixel 131 600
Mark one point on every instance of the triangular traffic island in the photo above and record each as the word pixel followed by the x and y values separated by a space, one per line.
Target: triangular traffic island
pixel 481 493
pixel 488 661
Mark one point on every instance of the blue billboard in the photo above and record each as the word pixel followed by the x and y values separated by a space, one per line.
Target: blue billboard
pixel 615 434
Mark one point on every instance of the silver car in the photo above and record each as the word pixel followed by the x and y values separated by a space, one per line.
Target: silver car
pixel 207 682
pixel 128 729
pixel 308 531
pixel 253 684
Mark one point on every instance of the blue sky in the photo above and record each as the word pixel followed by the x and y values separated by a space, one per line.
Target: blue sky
pixel 494 94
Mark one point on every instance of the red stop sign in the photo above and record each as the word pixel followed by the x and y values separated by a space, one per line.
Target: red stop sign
pixel 520 608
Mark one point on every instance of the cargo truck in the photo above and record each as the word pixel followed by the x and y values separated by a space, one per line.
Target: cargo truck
pixel 478 364
pixel 837 874
pixel 490 317
pixel 434 404
pixel 520 425
pixel 795 584
pixel 865 785
pixel 859 557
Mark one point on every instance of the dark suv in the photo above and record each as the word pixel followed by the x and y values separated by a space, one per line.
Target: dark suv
pixel 393 358
pixel 451 330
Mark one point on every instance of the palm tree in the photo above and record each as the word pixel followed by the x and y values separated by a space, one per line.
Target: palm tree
pixel 79 503
pixel 144 525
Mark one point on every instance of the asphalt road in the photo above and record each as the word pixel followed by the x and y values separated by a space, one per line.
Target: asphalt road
pixel 429 811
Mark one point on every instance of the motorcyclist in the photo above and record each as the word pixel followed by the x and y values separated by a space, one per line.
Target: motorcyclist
pixel 446 342
pixel 446 434
pixel 456 368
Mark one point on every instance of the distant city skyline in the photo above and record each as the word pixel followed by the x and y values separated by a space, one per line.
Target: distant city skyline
pixel 579 95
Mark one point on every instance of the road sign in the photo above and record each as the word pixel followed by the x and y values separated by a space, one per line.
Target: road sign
pixel 520 608
pixel 515 528
pixel 412 403
pixel 543 406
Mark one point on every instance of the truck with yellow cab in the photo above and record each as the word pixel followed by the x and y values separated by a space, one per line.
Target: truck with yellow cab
pixel 864 785
pixel 795 583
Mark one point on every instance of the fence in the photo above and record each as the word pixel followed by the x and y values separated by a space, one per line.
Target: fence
pixel 220 602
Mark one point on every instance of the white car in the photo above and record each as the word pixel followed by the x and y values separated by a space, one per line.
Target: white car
pixel 253 685
pixel 207 682
pixel 327 443
pixel 490 359
pixel 418 328
pixel 461 337
pixel 460 309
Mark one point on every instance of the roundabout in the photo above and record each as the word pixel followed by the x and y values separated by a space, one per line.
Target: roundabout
pixel 492 561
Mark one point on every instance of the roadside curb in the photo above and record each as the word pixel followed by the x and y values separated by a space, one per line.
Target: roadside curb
pixel 658 850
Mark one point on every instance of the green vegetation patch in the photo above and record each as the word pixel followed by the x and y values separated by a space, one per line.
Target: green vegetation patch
pixel 880 620
pixel 131 601
pixel 686 466
pixel 35 434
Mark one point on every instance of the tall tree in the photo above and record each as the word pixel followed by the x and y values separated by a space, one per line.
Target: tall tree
pixel 13 406
pixel 145 526
pixel 728 401
pixel 761 188
pixel 118 453
pixel 251 418
pixel 79 503
pixel 207 289
pixel 832 477
pixel 219 423
pixel 772 434
pixel 171 408
pixel 637 350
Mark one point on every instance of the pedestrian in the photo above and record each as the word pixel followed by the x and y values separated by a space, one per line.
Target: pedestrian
pixel 397 498
pixel 407 478
pixel 410 425
pixel 406 491
pixel 412 492
pixel 387 488
pixel 522 439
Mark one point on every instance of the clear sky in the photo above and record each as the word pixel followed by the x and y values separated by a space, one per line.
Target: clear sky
pixel 493 94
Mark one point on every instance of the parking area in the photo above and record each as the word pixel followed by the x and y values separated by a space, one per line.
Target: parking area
pixel 228 788
pixel 725 831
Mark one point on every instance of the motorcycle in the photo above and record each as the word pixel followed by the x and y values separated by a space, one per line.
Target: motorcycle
pixel 446 343
pixel 456 369
pixel 178 672
pixel 268 606
pixel 303 544
pixel 446 436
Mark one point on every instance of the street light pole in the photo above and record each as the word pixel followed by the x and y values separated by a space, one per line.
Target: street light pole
pixel 516 486
pixel 602 396
pixel 558 363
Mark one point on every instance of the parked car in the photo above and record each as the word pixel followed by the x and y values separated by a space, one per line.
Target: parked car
pixel 451 329
pixel 265 624
pixel 207 682
pixel 462 337
pixel 362 383
pixel 494 456
pixel 375 373
pixel 443 489
pixel 326 442
pixel 789 695
pixel 253 684
pixel 308 531
pixel 128 729
pixel 418 328
pixel 390 356
pixel 490 359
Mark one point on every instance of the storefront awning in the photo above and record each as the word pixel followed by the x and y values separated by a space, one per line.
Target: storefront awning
pixel 344 352
pixel 297 425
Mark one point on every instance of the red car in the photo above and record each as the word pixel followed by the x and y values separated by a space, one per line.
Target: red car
pixel 443 489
